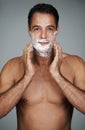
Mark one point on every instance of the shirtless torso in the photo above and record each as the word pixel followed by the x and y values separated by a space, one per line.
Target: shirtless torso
pixel 43 105
pixel 40 102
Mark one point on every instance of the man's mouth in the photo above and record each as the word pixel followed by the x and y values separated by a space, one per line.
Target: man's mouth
pixel 43 43
pixel 43 47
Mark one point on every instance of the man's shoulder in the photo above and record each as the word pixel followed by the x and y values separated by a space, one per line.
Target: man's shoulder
pixel 16 61
pixel 12 72
pixel 13 64
pixel 72 62
pixel 14 68
pixel 72 59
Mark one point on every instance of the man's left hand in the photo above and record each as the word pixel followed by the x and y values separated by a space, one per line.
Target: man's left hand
pixel 55 66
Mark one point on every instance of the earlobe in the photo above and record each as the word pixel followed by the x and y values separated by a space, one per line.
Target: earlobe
pixel 57 30
pixel 29 31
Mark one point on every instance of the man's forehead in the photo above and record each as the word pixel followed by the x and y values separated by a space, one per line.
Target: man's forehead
pixel 39 14
pixel 41 19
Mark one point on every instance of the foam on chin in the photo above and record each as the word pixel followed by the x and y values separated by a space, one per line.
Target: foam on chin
pixel 43 50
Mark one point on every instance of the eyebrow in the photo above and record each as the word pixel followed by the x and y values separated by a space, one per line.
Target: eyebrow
pixel 47 26
pixel 35 26
pixel 52 26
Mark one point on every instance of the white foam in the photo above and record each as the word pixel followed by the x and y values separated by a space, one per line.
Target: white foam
pixel 43 50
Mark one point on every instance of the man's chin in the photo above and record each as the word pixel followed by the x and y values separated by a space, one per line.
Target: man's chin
pixel 43 53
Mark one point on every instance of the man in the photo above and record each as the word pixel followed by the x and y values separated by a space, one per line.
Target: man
pixel 44 84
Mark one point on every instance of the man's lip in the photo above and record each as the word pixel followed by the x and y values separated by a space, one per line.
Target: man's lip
pixel 43 43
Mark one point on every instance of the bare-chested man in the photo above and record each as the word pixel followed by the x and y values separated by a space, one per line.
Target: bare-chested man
pixel 44 84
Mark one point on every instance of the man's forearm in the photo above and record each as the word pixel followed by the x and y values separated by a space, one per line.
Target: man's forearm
pixel 10 98
pixel 74 94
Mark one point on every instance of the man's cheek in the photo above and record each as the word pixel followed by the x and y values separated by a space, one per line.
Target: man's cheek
pixel 52 38
pixel 35 36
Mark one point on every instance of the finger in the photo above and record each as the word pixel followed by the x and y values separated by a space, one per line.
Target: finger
pixel 26 48
pixel 56 44
pixel 58 52
pixel 26 51
pixel 55 49
pixel 58 47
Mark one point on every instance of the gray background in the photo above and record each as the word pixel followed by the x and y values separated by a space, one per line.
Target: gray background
pixel 14 37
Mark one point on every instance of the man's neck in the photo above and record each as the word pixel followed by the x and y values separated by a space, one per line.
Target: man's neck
pixel 44 61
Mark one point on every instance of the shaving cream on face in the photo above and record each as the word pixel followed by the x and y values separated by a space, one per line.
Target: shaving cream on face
pixel 43 50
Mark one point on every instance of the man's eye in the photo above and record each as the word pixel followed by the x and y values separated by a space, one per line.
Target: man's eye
pixel 36 29
pixel 51 29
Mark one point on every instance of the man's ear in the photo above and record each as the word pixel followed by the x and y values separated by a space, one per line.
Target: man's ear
pixel 29 31
pixel 57 30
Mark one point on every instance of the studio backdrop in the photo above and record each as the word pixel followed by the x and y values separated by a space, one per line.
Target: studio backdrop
pixel 14 37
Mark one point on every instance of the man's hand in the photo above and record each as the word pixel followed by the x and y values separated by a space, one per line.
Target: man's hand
pixel 28 59
pixel 55 66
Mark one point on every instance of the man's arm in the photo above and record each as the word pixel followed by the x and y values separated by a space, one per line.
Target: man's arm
pixel 74 92
pixel 10 97
pixel 13 82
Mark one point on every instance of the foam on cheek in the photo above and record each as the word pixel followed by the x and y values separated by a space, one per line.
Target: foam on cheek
pixel 43 50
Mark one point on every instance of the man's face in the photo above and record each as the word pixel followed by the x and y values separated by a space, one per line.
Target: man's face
pixel 43 26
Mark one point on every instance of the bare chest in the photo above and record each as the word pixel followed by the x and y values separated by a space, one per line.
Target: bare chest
pixel 43 88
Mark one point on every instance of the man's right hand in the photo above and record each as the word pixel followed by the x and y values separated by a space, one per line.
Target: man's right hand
pixel 28 60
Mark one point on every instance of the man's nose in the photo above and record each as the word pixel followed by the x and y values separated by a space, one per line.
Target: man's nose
pixel 43 34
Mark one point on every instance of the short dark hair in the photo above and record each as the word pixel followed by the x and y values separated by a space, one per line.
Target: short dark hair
pixel 43 8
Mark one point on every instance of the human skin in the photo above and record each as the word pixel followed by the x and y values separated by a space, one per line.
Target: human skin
pixel 44 89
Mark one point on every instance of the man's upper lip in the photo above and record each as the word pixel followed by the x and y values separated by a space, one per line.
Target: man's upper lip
pixel 43 43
